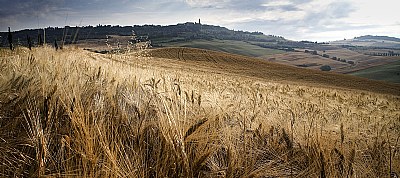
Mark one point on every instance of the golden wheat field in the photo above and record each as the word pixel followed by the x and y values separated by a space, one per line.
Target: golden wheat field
pixel 165 113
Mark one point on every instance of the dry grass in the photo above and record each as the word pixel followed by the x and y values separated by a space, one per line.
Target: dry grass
pixel 230 64
pixel 73 113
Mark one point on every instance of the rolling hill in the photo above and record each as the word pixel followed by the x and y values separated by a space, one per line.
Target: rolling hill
pixel 371 41
pixel 254 67
pixel 184 112
pixel 389 72
pixel 342 56
pixel 377 38
pixel 156 33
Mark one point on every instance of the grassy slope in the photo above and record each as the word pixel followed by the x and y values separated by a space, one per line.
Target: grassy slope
pixel 277 72
pixel 73 113
pixel 389 72
pixel 229 46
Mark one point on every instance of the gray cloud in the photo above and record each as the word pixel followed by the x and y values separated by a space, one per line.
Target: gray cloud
pixel 331 12
pixel 20 14
pixel 286 8
pixel 290 18
pixel 326 19
pixel 294 29
pixel 254 5
pixel 321 20
pixel 27 7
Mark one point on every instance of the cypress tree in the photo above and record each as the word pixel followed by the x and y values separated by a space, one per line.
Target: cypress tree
pixel 40 40
pixel 29 42
pixel 55 45
pixel 10 39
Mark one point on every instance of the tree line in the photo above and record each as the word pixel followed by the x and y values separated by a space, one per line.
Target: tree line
pixel 185 31
pixel 389 53
pixel 28 41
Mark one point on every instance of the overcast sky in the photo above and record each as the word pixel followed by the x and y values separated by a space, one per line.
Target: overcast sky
pixel 316 20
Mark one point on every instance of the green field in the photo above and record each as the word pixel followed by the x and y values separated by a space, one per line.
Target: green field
pixel 389 72
pixel 230 46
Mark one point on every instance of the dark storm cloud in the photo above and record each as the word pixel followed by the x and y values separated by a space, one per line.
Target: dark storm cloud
pixel 23 7
pixel 17 7
pixel 23 14
pixel 26 14
pixel 20 14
